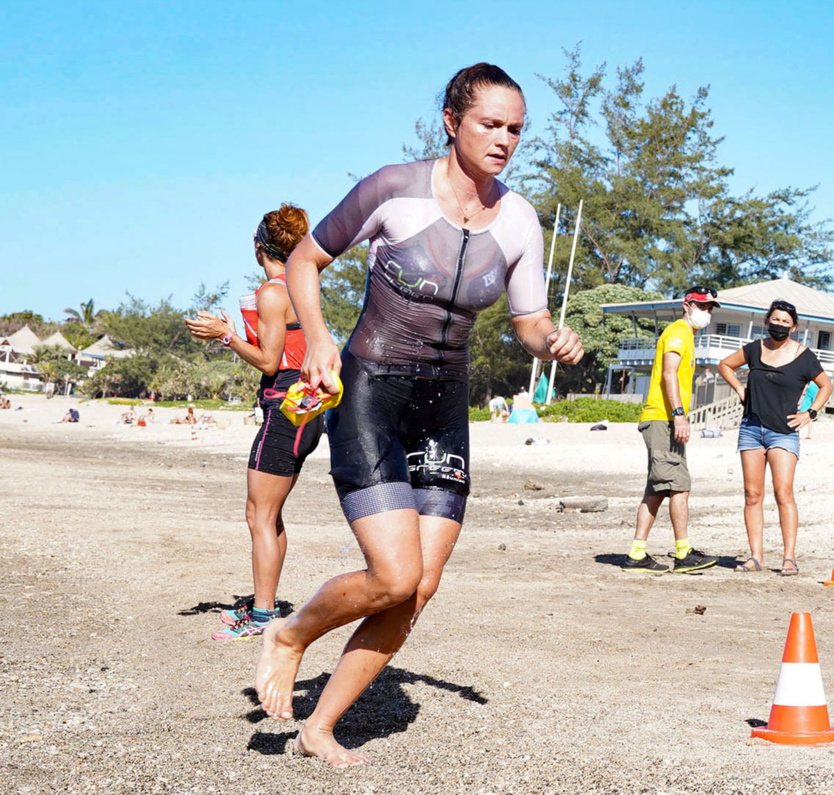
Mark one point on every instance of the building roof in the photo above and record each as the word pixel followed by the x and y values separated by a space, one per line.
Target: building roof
pixel 104 347
pixel 24 341
pixel 60 340
pixel 810 304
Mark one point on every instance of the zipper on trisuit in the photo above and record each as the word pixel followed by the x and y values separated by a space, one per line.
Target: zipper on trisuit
pixel 455 287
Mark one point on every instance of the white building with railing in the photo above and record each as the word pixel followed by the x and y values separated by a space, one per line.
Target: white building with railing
pixel 739 320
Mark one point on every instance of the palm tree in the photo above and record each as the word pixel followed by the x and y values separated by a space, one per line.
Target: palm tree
pixel 88 317
pixel 43 359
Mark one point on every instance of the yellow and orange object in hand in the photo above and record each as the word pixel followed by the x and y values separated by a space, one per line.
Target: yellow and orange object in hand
pixel 304 401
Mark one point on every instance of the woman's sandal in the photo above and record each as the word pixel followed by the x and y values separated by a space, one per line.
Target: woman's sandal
pixel 743 568
pixel 789 571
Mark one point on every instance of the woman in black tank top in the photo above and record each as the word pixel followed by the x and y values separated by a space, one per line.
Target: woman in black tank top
pixel 779 369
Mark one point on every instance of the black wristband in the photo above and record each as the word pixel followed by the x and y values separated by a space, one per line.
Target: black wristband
pixel 678 412
pixel 812 413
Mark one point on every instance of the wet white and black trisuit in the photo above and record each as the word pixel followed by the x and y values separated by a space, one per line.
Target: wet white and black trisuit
pixel 400 438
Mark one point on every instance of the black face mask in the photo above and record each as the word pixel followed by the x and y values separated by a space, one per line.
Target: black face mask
pixel 778 333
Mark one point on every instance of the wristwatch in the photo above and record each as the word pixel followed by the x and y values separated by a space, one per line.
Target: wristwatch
pixel 227 340
pixel 812 413
pixel 678 412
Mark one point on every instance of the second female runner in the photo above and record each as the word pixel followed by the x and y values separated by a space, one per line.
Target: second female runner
pixel 275 345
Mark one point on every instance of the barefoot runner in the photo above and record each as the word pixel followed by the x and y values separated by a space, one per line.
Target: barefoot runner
pixel 446 239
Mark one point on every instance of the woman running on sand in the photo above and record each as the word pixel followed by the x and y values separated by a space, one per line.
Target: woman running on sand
pixel 447 238
pixel 275 345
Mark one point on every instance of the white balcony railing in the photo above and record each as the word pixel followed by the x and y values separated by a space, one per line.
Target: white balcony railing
pixel 728 344
pixel 714 346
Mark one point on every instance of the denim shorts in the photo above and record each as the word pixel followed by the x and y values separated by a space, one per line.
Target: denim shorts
pixel 752 435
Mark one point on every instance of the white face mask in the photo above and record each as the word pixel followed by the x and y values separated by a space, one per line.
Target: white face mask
pixel 699 318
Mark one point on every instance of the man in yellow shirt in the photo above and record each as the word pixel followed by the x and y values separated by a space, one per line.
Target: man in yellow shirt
pixel 665 430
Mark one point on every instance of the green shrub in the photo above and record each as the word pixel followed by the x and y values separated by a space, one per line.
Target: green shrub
pixel 207 404
pixel 590 410
pixel 478 414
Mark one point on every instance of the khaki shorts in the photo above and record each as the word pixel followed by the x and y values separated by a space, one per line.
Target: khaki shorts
pixel 667 458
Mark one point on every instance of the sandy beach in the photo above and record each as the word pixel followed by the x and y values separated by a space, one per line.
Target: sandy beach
pixel 540 667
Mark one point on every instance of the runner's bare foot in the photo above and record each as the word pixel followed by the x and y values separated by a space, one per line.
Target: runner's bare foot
pixel 321 743
pixel 276 671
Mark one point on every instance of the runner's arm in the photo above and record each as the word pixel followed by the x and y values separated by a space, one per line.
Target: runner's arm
pixel 273 303
pixel 305 264
pixel 540 338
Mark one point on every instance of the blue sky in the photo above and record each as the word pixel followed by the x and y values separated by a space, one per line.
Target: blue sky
pixel 141 143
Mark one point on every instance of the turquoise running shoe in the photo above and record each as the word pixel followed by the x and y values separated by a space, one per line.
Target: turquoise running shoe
pixel 239 611
pixel 250 626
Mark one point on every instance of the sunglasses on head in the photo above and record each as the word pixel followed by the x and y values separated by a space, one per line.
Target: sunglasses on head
pixel 699 288
pixel 785 306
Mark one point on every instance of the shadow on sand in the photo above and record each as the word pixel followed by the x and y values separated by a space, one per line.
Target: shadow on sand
pixel 215 607
pixel 724 561
pixel 385 708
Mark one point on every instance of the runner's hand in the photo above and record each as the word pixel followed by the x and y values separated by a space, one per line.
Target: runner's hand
pixel 229 322
pixel 322 359
pixel 207 326
pixel 565 346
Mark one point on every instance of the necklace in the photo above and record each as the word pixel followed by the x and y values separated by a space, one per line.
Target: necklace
pixel 466 218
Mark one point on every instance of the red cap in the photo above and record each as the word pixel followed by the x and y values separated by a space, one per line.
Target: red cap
pixel 703 295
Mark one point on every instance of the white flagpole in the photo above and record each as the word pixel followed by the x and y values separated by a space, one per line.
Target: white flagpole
pixel 533 372
pixel 565 298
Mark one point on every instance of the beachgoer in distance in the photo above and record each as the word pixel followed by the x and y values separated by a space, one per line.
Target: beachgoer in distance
pixel 522 400
pixel 664 426
pixel 707 377
pixel 145 419
pixel 808 397
pixel 779 369
pixel 447 238
pixel 189 418
pixel 72 415
pixel 498 408
pixel 275 345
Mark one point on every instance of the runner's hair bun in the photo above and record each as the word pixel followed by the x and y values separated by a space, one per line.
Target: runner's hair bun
pixel 286 228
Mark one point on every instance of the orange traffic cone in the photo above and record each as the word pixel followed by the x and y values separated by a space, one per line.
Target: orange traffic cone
pixel 799 715
pixel 831 581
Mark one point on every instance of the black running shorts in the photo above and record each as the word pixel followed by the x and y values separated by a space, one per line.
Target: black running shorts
pixel 272 450
pixel 399 442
